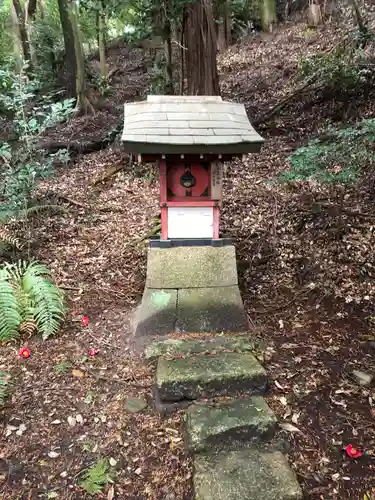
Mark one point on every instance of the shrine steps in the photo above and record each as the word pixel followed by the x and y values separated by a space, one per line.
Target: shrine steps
pixel 238 449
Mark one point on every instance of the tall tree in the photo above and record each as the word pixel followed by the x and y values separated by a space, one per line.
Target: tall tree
pixel 223 25
pixel 19 21
pixel 268 14
pixel 200 41
pixel 83 103
pixel 101 40
pixel 70 55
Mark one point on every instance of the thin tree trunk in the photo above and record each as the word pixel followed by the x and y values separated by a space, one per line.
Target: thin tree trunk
pixel 167 36
pixel 30 11
pixel 50 54
pixel 17 45
pixel 83 104
pixel 182 50
pixel 223 27
pixel 19 14
pixel 70 57
pixel 200 40
pixel 268 14
pixel 101 43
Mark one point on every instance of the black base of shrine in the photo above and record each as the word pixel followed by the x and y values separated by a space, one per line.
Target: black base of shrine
pixel 156 242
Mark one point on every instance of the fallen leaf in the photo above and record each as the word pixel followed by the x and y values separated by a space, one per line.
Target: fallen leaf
pixel 77 373
pixel 289 427
pixel 111 493
pixel 283 400
pixel 53 454
pixel 56 422
pixel 21 430
pixel 295 417
pixel 72 421
pixel 279 386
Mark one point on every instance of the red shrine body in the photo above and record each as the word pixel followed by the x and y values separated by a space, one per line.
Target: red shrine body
pixel 190 197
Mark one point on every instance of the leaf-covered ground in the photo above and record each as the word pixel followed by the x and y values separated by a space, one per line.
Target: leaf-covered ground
pixel 306 290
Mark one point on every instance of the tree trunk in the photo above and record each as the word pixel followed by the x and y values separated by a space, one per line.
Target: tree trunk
pixel 268 14
pixel 19 15
pixel 83 104
pixel 200 41
pixel 167 38
pixel 17 45
pixel 101 43
pixel 30 10
pixel 224 27
pixel 70 57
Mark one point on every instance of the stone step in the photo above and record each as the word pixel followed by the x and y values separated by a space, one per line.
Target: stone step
pixel 218 343
pixel 210 426
pixel 245 474
pixel 202 376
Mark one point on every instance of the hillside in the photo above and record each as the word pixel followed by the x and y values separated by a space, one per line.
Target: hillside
pixel 306 255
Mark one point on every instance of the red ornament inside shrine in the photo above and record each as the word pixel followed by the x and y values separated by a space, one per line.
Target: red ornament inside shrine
pixel 190 193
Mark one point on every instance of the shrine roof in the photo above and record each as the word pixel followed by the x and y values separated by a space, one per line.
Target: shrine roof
pixel 188 124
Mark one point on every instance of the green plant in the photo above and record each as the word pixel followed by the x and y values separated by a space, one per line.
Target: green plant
pixel 337 157
pixel 4 386
pixel 24 163
pixel 96 477
pixel 343 69
pixel 29 301
pixel 62 367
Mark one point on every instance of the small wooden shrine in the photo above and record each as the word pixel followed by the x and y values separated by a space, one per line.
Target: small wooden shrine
pixel 189 137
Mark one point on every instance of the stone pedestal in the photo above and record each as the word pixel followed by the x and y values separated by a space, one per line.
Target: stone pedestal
pixel 191 289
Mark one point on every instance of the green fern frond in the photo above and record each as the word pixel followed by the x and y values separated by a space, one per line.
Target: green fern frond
pixel 96 477
pixel 39 301
pixel 10 315
pixel 7 237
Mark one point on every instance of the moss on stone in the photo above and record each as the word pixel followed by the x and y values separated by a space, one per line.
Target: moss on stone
pixel 247 474
pixel 218 343
pixel 214 425
pixel 204 376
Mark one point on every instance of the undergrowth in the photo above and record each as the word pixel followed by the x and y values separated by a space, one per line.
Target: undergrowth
pixel 96 477
pixel 29 301
pixel 337 157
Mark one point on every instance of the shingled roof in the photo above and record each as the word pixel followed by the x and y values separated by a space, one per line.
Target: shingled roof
pixel 188 124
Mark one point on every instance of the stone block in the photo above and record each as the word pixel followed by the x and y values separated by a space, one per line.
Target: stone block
pixel 157 313
pixel 218 309
pixel 218 343
pixel 246 474
pixel 210 426
pixel 191 267
pixel 206 376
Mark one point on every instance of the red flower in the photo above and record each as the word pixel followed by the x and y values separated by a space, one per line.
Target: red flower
pixel 85 321
pixel 353 452
pixel 93 352
pixel 24 353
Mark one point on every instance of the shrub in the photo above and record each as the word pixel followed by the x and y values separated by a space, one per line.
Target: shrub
pixel 337 157
pixel 342 70
pixel 24 163
pixel 29 301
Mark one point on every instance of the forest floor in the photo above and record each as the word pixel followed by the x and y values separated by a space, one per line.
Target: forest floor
pixel 305 291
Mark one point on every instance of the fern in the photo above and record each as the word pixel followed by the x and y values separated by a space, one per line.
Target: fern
pixel 27 297
pixel 7 238
pixel 96 477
